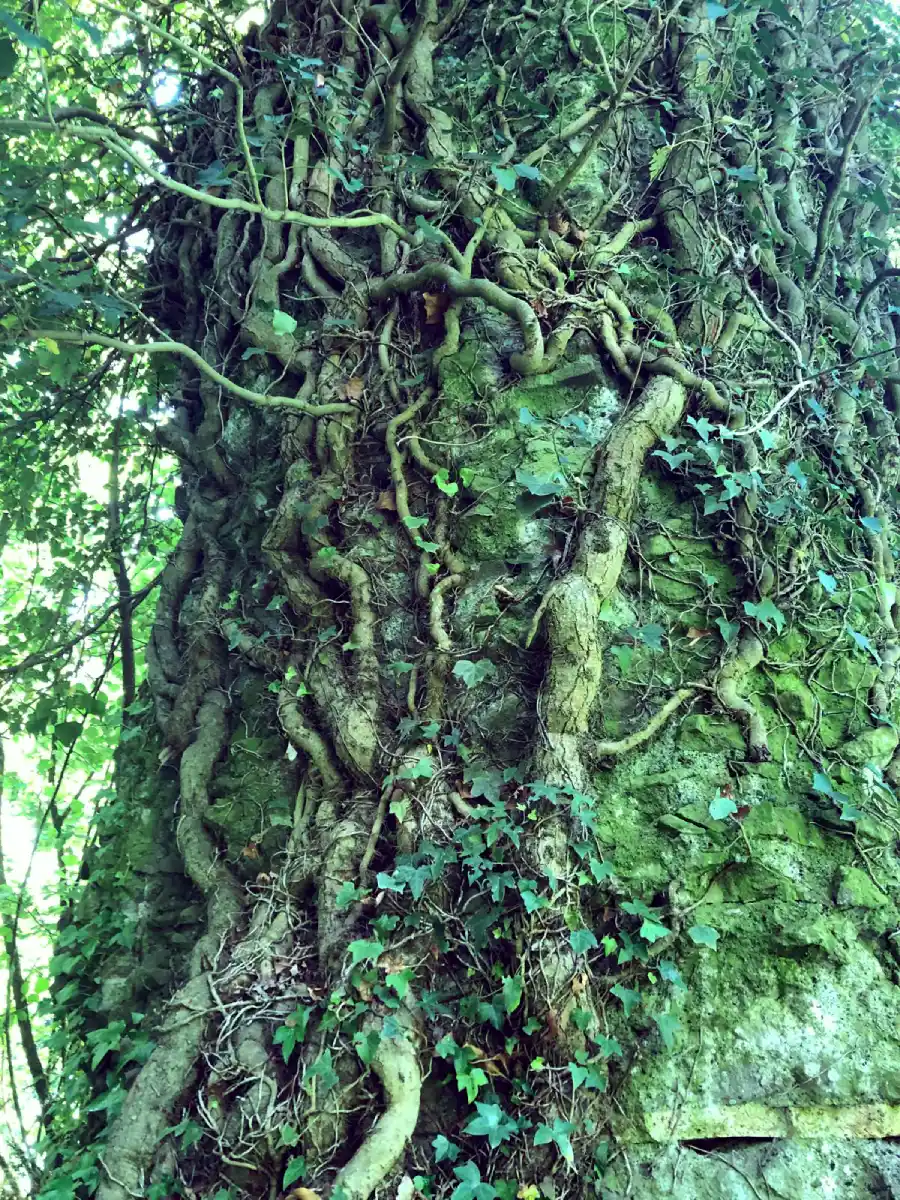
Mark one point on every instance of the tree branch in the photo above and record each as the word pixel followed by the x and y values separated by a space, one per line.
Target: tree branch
pixel 86 338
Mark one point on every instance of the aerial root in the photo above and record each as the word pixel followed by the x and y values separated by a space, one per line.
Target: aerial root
pixel 397 1066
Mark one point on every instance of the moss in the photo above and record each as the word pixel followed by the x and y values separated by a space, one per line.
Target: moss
pixel 791 647
pixel 710 735
pixel 794 698
pixel 874 746
pixel 788 824
pixel 856 890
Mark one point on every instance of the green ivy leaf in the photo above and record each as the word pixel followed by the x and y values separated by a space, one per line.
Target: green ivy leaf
pixel 828 582
pixel 512 992
pixel 652 931
pixel 348 893
pixel 471 1186
pixel 864 644
pixel 428 231
pixel 32 40
pixel 8 58
pixel 728 629
pixel 283 323
pixel 473 673
pixel 671 974
pixel 506 177
pixel 444 484
pixel 704 935
pixel 445 1150
pixel 873 524
pixel 766 613
pixel 630 998
pixel 493 1123
pixel 295 1170
pixel 524 171
pixel 558 1134
pixel 668 1025
pixel 722 807
pixel 363 951
pixel 541 485
pixel 582 940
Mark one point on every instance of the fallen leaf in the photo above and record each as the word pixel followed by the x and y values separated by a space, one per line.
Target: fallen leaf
pixel 251 850
pixel 353 388
pixel 303 1194
pixel 580 235
pixel 694 634
pixel 539 307
pixel 406 1189
pixel 386 500
pixel 560 224
pixel 436 304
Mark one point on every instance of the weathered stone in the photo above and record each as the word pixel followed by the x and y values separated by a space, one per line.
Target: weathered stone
pixel 856 890
pixel 711 735
pixel 874 746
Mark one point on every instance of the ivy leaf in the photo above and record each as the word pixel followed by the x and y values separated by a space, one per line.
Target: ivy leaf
pixel 704 935
pixel 541 485
pixel 828 582
pixel 557 1133
pixel 668 1025
pixel 796 473
pixel 582 940
pixel 745 174
pixel 671 974
pixel 444 484
pixel 873 524
pixel 473 673
pixel 471 1186
pixel 728 629
pixel 704 428
pixel 295 1170
pixel 864 644
pixel 630 998
pixel 32 40
pixel 715 11
pixel 512 992
pixel 767 439
pixel 722 807
pixel 445 1150
pixel 674 461
pixel 493 1123
pixel 506 177
pixel 652 931
pixel 822 784
pixel 283 323
pixel 428 231
pixel 363 951
pixel 8 58
pixel 658 160
pixel 348 893
pixel 650 635
pixel 766 613
pixel 524 171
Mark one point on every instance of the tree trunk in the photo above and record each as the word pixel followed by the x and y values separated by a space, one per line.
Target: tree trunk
pixel 512 803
